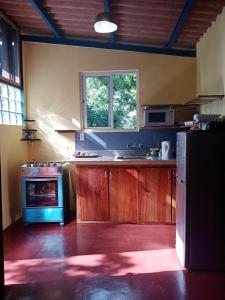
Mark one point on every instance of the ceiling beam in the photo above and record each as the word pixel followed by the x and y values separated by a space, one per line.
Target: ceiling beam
pixel 42 12
pixel 105 45
pixel 107 10
pixel 180 23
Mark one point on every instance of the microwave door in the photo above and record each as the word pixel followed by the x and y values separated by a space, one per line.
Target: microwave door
pixel 157 117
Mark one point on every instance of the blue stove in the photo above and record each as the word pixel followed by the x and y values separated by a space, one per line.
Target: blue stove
pixel 45 196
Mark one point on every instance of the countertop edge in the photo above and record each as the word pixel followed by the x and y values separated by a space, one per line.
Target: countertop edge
pixel 94 162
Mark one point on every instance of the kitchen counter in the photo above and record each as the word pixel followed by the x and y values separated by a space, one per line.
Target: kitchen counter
pixel 106 160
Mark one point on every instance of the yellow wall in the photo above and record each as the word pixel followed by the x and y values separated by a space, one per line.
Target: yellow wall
pixel 13 154
pixel 211 65
pixel 53 86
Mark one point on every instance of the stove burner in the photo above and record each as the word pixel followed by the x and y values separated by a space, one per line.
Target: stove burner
pixel 43 164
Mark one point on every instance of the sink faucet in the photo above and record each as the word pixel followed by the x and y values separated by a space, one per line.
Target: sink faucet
pixel 135 146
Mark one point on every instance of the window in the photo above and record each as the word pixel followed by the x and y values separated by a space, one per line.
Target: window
pixel 9 53
pixel 10 105
pixel 10 92
pixel 110 100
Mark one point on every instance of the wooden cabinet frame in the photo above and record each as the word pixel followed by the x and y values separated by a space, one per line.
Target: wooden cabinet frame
pixel 125 194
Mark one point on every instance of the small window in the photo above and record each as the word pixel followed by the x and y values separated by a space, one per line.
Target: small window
pixel 9 53
pixel 110 100
pixel 10 105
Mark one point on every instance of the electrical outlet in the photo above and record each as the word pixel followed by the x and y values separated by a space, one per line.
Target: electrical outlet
pixel 81 137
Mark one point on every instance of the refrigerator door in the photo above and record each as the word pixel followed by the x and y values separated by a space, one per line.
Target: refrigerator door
pixel 181 155
pixel 207 202
pixel 181 223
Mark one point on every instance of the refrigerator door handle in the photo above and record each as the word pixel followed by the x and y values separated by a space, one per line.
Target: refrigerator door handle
pixel 182 181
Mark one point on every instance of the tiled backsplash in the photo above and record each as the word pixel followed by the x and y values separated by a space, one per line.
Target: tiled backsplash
pixel 120 140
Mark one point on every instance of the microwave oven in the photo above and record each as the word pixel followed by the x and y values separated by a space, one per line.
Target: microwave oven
pixel 161 116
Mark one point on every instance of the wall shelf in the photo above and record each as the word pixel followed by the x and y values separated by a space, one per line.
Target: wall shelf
pixel 165 127
pixel 29 134
pixel 203 99
pixel 30 140
pixel 65 130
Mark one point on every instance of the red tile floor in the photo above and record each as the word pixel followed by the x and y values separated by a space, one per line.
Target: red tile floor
pixel 101 262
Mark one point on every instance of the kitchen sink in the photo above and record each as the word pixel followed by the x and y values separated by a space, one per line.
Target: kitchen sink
pixel 131 157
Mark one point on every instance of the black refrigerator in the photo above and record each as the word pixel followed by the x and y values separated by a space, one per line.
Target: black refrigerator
pixel 200 196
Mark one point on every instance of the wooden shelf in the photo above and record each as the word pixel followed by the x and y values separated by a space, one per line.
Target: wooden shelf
pixel 203 99
pixel 30 140
pixel 164 127
pixel 161 105
pixel 65 130
pixel 27 129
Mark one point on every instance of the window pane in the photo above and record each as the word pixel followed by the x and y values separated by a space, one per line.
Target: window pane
pixel 18 107
pixel 12 106
pixel 19 119
pixel 124 101
pixel 17 94
pixel 12 119
pixel 4 90
pixel 5 104
pixel 5 117
pixel 97 101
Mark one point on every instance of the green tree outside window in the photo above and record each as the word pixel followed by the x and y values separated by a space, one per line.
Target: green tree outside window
pixel 110 101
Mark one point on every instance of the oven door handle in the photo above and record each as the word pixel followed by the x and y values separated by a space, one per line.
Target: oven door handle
pixel 42 179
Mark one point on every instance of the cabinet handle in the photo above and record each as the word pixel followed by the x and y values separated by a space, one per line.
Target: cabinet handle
pixel 110 175
pixel 106 173
pixel 168 174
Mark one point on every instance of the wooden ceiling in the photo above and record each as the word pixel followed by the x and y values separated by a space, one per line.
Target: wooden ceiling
pixel 164 24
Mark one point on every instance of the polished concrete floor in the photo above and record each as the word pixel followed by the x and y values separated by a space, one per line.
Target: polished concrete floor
pixel 101 262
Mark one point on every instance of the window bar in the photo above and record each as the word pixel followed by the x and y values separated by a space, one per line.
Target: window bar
pixel 110 113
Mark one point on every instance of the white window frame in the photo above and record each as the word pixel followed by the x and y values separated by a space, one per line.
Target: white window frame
pixel 83 76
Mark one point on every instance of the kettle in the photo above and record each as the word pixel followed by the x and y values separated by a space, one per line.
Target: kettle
pixel 165 149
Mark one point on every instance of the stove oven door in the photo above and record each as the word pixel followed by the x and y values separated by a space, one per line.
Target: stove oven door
pixel 42 192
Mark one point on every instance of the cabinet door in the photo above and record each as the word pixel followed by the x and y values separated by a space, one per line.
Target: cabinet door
pixel 92 194
pixel 123 195
pixel 173 200
pixel 154 188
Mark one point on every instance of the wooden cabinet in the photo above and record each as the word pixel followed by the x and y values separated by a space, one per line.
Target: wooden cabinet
pixel 173 200
pixel 126 194
pixel 92 194
pixel 123 195
pixel 154 188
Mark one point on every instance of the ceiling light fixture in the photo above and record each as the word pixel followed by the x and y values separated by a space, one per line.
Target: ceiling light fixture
pixel 104 23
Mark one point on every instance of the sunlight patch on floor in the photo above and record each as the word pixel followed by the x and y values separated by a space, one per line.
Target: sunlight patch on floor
pixel 117 264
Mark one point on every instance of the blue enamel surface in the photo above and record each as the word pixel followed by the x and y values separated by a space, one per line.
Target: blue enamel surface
pixel 43 214
pixel 48 214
